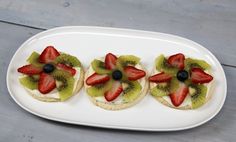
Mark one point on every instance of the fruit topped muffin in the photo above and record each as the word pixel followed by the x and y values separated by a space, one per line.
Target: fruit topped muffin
pixel 51 76
pixel 180 82
pixel 115 83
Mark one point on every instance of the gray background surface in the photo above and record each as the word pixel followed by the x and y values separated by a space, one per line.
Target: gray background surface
pixel 211 23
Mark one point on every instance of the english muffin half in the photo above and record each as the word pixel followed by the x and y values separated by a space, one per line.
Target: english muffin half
pixel 51 76
pixel 181 83
pixel 116 82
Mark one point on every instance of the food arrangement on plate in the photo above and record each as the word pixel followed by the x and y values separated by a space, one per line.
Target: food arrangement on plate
pixel 51 76
pixel 116 82
pixel 147 112
pixel 180 82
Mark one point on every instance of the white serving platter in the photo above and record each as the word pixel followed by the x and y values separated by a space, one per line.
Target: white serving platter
pixel 88 43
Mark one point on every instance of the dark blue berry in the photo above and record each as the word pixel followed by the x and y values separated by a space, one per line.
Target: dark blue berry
pixel 182 75
pixel 117 75
pixel 47 68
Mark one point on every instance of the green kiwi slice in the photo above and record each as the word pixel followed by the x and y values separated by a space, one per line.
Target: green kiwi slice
pixel 164 89
pixel 29 82
pixel 100 89
pixel 65 84
pixel 34 59
pixel 99 67
pixel 198 95
pixel 191 63
pixel 126 60
pixel 131 90
pixel 68 60
pixel 163 66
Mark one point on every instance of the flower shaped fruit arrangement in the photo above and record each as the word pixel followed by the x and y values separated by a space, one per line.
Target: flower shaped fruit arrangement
pixel 51 75
pixel 116 82
pixel 181 82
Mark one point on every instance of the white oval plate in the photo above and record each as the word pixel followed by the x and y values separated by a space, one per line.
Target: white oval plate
pixel 88 43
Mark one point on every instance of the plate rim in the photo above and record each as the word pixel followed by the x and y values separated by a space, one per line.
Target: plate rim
pixel 122 30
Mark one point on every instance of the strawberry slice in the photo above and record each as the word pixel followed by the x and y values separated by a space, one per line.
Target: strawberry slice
pixel 95 79
pixel 199 76
pixel 114 92
pixel 46 83
pixel 110 61
pixel 30 69
pixel 178 97
pixel 133 73
pixel 177 60
pixel 48 55
pixel 69 69
pixel 160 77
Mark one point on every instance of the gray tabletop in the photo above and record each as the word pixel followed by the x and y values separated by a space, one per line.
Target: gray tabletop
pixel 210 23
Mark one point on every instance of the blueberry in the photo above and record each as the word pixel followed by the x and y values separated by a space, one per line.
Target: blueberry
pixel 117 75
pixel 47 68
pixel 182 75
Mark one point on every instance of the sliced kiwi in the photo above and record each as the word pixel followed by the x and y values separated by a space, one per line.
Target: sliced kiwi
pixel 34 59
pixel 198 95
pixel 174 84
pixel 100 89
pixel 35 77
pixel 190 63
pixel 126 60
pixel 65 84
pixel 68 60
pixel 163 66
pixel 192 91
pixel 188 82
pixel 29 82
pixel 131 90
pixel 99 67
pixel 164 89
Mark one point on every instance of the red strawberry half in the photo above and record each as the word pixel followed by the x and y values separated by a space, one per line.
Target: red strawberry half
pixel 133 73
pixel 160 77
pixel 177 60
pixel 178 97
pixel 69 69
pixel 199 76
pixel 114 92
pixel 95 79
pixel 46 83
pixel 48 55
pixel 29 70
pixel 110 61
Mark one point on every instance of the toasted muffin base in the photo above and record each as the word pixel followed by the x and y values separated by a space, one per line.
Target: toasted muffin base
pixel 79 85
pixel 186 107
pixel 109 106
